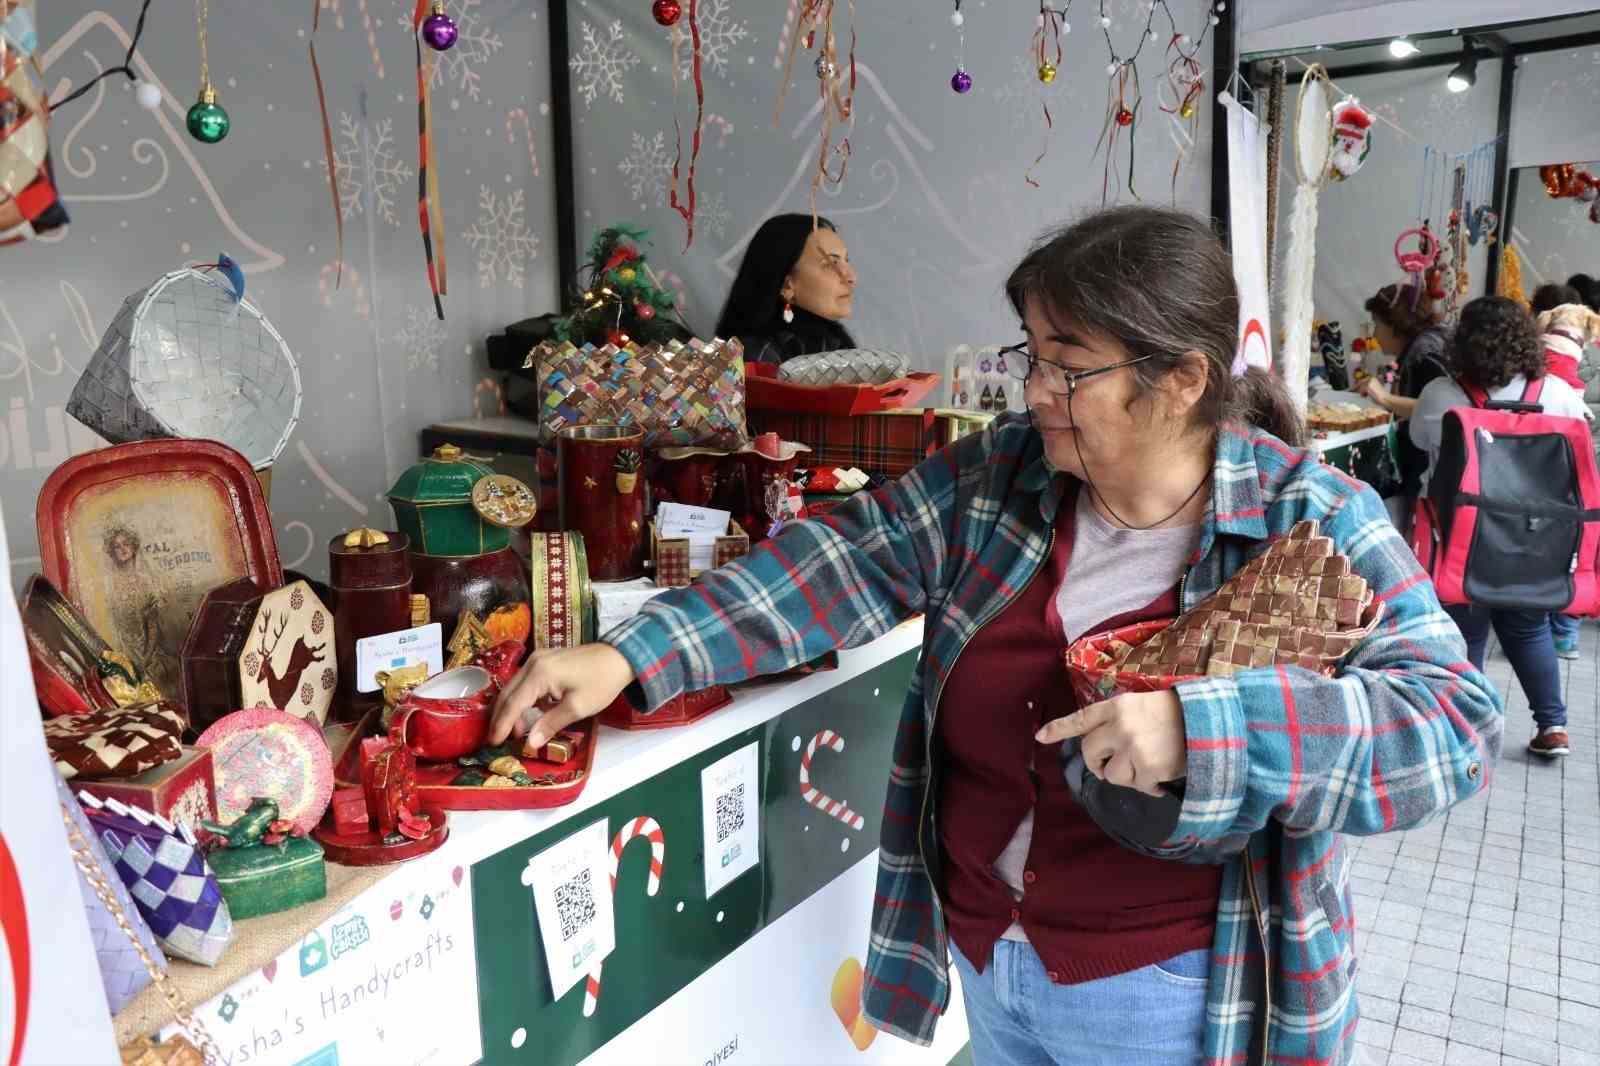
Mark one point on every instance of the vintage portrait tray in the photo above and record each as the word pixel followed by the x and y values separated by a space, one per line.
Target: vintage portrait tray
pixel 134 535
pixel 434 788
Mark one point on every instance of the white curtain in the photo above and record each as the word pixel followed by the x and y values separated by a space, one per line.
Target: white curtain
pixel 1277 25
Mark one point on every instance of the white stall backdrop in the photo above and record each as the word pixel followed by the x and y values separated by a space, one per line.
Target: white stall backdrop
pixel 1554 113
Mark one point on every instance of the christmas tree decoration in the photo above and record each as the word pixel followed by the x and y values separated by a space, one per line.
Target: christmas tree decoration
pixel 439 30
pixel 666 12
pixel 430 211
pixel 620 299
pixel 836 90
pixel 1047 55
pixel 960 81
pixel 208 123
pixel 1352 137
pixel 148 95
pixel 1047 72
pixel 1123 101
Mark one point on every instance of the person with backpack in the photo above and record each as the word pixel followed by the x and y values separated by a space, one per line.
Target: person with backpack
pixel 1496 353
pixel 1404 324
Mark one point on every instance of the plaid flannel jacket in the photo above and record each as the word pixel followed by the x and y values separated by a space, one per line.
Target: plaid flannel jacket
pixel 1280 761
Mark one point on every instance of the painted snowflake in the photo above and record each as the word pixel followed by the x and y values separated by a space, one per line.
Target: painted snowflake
pixel 421 338
pixel 601 63
pixel 647 168
pixel 712 214
pixel 364 162
pixel 720 35
pixel 501 238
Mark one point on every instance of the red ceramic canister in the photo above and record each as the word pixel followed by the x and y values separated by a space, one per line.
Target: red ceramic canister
pixel 602 496
pixel 369 572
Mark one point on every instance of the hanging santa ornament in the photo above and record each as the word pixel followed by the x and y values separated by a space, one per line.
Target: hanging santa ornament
pixel 208 123
pixel 1352 137
pixel 439 30
pixel 960 81
pixel 666 12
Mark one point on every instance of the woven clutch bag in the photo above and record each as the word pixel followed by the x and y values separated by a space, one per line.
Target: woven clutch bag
pixel 848 366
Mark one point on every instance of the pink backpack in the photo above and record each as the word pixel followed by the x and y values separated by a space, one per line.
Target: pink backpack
pixel 1512 512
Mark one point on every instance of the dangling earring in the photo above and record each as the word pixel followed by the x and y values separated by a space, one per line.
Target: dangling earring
pixel 788 311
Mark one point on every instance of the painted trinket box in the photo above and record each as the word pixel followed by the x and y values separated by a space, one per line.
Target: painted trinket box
pixel 266 864
pixel 434 506
pixel 183 791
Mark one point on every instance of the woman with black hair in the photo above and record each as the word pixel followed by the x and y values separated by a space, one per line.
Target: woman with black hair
pixel 794 288
pixel 1404 325
pixel 1496 347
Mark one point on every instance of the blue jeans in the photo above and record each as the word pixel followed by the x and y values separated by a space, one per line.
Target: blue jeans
pixel 1563 626
pixel 1155 1016
pixel 1525 636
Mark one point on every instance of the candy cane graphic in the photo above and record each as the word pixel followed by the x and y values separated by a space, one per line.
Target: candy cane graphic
pixel 649 829
pixel 366 23
pixel 527 129
pixel 783 34
pixel 495 390
pixel 820 800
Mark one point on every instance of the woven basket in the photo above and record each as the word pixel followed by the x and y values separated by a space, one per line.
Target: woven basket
pixel 182 358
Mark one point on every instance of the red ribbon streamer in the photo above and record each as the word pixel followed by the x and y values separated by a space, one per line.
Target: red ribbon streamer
pixel 686 208
pixel 327 144
pixel 427 208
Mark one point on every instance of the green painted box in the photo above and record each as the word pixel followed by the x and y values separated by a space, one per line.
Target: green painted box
pixel 267 878
pixel 432 504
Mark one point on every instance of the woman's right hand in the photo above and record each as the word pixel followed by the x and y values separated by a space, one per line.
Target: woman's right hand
pixel 557 687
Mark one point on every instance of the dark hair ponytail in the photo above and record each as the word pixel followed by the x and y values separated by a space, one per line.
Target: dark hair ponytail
pixel 1159 283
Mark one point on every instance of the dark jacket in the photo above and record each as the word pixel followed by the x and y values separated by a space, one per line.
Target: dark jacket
pixel 1424 359
pixel 806 335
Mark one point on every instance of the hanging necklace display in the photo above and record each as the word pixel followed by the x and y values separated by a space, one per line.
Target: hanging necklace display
pixel 1457 238
pixel 686 206
pixel 1313 155
pixel 960 81
pixel 1045 50
pixel 836 90
pixel 439 30
pixel 208 123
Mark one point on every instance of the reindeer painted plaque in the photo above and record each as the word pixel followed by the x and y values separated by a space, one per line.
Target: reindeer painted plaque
pixel 290 661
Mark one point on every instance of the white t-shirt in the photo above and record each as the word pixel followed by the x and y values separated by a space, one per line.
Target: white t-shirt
pixel 1558 398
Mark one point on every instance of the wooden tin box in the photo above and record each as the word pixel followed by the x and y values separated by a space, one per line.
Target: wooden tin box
pixel 433 506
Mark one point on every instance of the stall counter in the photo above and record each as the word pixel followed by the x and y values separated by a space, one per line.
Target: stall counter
pixel 441 960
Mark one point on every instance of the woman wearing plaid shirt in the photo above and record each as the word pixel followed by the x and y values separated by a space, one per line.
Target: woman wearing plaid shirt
pixel 1145 474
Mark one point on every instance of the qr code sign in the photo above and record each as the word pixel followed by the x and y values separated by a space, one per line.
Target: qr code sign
pixel 730 812
pixel 575 904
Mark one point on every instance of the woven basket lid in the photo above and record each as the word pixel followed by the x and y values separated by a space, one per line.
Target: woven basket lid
pixel 182 358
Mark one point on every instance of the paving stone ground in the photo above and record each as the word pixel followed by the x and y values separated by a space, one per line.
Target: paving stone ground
pixel 1479 934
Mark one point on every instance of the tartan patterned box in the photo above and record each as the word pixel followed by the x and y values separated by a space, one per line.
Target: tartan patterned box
pixel 670 555
pixel 887 442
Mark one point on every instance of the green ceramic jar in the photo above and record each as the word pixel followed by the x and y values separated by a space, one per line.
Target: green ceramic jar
pixel 432 505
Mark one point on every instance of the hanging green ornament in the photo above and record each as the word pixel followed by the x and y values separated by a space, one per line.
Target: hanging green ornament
pixel 208 122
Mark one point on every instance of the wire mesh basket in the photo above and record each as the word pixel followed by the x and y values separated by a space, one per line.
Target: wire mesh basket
pixel 186 358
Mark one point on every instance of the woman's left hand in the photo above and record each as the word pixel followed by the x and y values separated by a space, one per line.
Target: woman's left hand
pixel 1136 740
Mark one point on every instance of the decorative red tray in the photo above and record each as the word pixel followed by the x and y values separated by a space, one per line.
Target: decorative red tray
pixel 764 392
pixel 134 535
pixel 435 790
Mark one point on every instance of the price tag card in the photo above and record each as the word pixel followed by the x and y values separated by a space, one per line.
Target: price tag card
pixel 571 884
pixel 397 650
pixel 730 817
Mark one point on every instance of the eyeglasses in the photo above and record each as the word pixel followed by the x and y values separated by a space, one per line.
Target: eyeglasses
pixel 1052 375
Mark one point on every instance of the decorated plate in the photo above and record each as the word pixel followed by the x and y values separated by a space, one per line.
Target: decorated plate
pixel 266 752
pixel 502 500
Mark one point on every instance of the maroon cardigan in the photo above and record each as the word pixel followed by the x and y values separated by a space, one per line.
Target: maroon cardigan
pixel 1090 907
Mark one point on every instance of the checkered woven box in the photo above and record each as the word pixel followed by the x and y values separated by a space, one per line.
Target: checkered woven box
pixel 166 874
pixel 120 742
pixel 670 555
pixel 1296 604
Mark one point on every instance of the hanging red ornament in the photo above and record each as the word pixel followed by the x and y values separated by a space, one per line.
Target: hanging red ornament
pixel 616 337
pixel 666 12
pixel 1124 117
pixel 644 310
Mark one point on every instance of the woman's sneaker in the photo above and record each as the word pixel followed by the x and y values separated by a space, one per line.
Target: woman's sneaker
pixel 1550 742
pixel 1567 646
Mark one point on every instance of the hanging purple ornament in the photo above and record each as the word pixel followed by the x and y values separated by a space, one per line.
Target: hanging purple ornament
pixel 439 30
pixel 961 81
